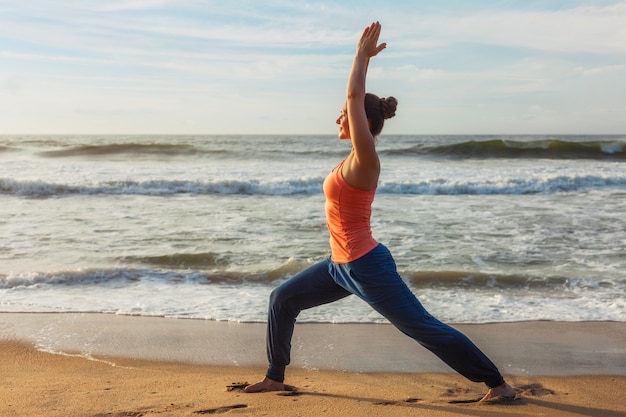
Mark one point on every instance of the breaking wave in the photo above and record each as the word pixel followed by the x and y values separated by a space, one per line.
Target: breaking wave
pixel 121 277
pixel 313 186
pixel 513 149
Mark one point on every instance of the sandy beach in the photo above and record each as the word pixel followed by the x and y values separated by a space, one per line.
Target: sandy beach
pixel 107 365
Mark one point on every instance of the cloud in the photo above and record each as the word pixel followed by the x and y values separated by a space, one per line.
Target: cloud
pixel 125 5
pixel 187 59
pixel 603 70
pixel 585 29
pixel 11 86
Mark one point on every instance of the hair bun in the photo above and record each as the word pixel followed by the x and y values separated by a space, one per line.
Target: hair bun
pixel 388 107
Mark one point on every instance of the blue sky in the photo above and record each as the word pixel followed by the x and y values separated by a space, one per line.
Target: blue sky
pixel 280 66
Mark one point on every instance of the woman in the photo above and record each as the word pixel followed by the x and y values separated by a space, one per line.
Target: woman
pixel 359 264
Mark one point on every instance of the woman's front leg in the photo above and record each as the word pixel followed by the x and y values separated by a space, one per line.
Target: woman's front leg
pixel 310 288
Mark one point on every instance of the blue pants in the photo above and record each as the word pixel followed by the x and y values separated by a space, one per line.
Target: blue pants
pixel 374 279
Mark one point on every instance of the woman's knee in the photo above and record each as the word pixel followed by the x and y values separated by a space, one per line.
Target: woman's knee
pixel 282 298
pixel 277 296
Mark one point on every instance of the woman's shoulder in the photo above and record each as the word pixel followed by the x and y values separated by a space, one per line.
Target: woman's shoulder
pixel 359 174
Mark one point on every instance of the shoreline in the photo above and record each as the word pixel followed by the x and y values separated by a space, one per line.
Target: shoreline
pixel 121 366
pixel 517 348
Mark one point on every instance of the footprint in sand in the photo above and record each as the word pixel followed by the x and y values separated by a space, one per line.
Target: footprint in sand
pixel 535 390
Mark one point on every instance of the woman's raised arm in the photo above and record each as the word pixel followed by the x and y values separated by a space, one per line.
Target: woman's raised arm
pixel 362 167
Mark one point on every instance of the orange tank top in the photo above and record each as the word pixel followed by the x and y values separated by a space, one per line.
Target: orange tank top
pixel 348 212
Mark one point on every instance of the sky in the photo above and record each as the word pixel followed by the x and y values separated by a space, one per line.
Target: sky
pixel 281 66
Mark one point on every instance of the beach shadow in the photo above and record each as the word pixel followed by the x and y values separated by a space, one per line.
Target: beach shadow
pixel 530 392
pixel 576 409
pixel 412 403
pixel 221 410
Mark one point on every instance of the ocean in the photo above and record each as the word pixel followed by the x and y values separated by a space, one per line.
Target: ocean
pixel 482 228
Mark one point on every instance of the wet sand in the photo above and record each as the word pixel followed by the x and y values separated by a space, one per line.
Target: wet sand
pixel 107 365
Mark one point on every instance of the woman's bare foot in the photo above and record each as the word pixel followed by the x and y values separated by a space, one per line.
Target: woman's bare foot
pixel 501 391
pixel 265 385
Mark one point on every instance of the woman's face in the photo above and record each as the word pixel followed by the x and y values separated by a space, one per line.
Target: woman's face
pixel 342 121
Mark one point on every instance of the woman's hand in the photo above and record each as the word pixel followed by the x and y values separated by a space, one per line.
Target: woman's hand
pixel 368 44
